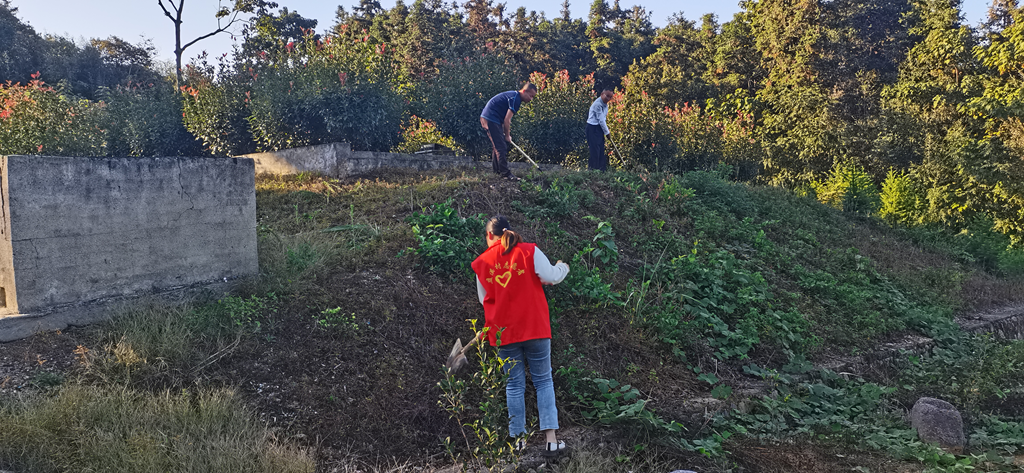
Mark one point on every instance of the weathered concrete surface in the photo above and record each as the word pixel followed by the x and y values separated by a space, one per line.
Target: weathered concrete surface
pixel 79 230
pixel 322 159
pixel 60 317
pixel 338 160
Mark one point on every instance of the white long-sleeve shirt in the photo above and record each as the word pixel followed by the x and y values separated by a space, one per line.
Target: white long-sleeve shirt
pixel 598 114
pixel 547 272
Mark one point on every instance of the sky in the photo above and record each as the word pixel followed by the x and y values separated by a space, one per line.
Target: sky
pixel 138 20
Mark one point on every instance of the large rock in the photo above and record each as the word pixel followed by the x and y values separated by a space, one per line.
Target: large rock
pixel 937 421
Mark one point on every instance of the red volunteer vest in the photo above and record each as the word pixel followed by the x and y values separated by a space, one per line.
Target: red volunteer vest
pixel 515 298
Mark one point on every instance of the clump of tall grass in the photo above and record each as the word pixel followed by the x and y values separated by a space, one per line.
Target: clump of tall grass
pixel 116 429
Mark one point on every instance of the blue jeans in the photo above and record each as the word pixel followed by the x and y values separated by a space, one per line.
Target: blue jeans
pixel 536 354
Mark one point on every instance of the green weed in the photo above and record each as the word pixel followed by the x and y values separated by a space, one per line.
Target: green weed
pixel 560 199
pixel 478 403
pixel 446 242
pixel 337 320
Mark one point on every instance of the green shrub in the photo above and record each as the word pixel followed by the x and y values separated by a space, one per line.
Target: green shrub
pixel 418 132
pixel 146 120
pixel 447 243
pixel 555 122
pixel 902 202
pixel 215 107
pixel 641 130
pixel 456 96
pixel 39 119
pixel 849 188
pixel 319 91
pixel 741 145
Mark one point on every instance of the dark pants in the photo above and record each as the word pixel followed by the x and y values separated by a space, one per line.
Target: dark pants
pixel 499 149
pixel 595 140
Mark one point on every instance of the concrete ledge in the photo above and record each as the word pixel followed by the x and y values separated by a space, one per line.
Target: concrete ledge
pixel 338 160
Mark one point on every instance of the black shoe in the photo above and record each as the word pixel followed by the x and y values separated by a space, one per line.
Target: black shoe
pixel 512 178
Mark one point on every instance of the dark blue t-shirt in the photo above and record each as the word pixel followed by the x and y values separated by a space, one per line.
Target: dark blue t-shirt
pixel 500 104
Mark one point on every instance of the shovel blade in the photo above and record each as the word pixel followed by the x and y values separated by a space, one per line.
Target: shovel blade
pixel 458 363
pixel 453 358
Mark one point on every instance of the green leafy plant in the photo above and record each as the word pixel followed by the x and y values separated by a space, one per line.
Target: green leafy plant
pixel 40 119
pixel 586 282
pixel 478 403
pixel 559 199
pixel 418 132
pixel 447 243
pixel 848 188
pixel 336 319
pixel 721 299
pixel 246 312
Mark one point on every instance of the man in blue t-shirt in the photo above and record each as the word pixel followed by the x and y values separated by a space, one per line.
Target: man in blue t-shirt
pixel 496 118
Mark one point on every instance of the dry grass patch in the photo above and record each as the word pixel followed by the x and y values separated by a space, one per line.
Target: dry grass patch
pixel 114 429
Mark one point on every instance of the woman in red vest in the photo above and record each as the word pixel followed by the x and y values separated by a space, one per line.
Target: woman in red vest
pixel 509 279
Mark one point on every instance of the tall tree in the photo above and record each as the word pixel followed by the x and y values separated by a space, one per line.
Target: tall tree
pixel 675 73
pixel 617 39
pixel 20 46
pixel 268 31
pixel 226 17
pixel 800 127
pixel 567 45
pixel 736 62
pixel 127 61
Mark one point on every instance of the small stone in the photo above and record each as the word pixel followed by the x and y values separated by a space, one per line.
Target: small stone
pixel 937 421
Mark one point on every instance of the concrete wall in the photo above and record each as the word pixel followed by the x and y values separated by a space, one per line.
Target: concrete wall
pixel 338 160
pixel 79 230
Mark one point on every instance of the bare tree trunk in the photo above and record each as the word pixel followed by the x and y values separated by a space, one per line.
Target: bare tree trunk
pixel 177 47
pixel 230 16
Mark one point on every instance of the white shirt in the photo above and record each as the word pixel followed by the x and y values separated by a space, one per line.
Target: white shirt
pixel 547 272
pixel 598 114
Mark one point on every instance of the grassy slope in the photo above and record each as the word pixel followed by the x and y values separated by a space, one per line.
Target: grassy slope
pixel 342 337
pixel 855 281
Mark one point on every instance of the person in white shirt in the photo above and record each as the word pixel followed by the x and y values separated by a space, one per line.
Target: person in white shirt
pixel 597 129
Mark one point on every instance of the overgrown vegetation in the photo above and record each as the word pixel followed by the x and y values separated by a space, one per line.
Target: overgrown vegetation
pixel 685 289
pixel 901 96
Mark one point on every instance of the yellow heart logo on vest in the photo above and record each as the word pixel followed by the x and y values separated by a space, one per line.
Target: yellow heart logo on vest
pixel 504 278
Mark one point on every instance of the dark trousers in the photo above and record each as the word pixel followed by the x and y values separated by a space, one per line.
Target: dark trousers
pixel 595 140
pixel 499 149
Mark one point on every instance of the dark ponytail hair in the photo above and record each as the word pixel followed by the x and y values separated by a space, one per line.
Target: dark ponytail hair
pixel 499 227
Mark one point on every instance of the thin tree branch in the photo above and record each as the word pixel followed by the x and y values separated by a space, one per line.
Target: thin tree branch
pixel 220 29
pixel 162 7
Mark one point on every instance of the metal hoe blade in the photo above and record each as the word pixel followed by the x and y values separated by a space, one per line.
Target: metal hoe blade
pixel 457 358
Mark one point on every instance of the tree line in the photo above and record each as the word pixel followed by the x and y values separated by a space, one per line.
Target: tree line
pixel 893 107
